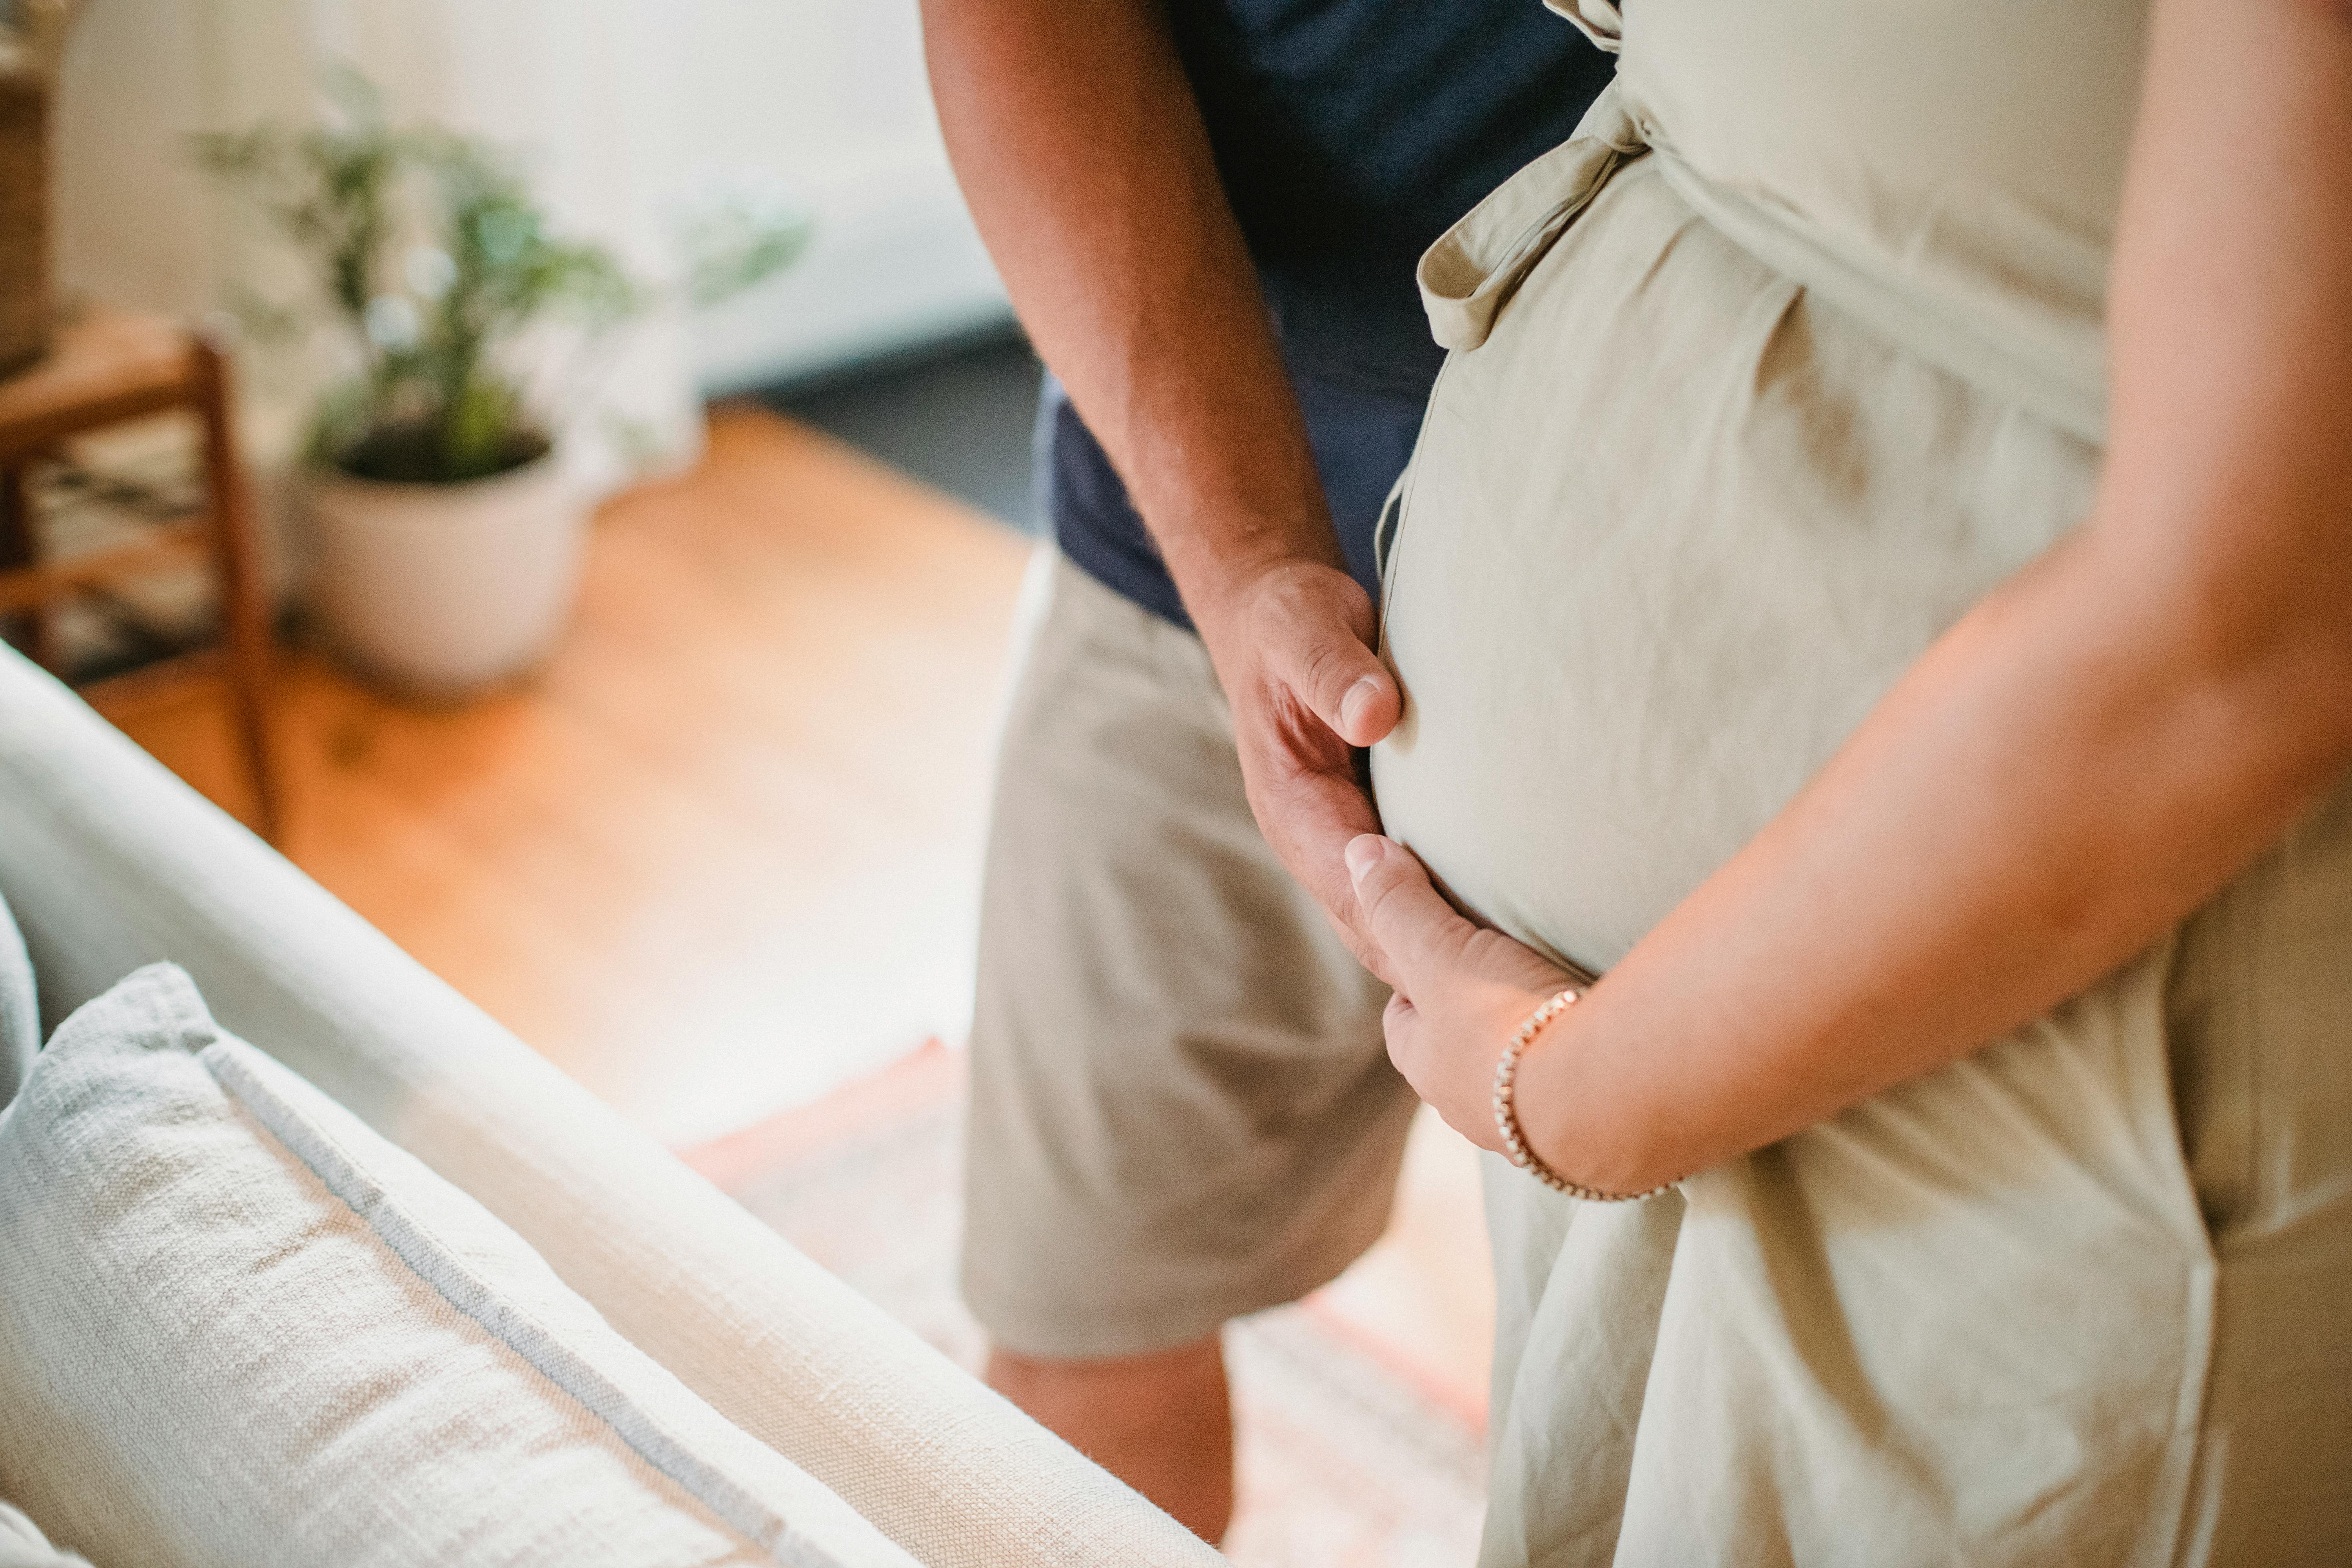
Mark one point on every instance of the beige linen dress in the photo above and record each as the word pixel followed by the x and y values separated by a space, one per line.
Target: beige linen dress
pixel 1759 383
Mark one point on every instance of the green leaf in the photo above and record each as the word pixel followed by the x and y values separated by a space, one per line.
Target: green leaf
pixel 352 193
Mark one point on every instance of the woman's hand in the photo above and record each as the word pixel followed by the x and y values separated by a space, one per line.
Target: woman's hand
pixel 1460 990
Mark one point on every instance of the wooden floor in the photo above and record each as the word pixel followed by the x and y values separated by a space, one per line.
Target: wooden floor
pixel 722 854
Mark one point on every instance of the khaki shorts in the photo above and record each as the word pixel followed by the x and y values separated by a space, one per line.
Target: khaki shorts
pixel 1182 1108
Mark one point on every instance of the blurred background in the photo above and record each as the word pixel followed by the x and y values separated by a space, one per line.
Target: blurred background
pixel 888 327
pixel 623 112
pixel 649 698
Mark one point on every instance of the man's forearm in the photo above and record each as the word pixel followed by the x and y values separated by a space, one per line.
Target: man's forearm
pixel 1080 147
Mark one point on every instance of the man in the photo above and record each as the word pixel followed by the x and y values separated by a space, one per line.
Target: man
pixel 1207 216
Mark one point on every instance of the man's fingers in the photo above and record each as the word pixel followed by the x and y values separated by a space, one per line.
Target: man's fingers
pixel 1310 826
pixel 1306 687
pixel 1414 928
pixel 1371 957
pixel 1370 708
pixel 1309 809
pixel 1321 654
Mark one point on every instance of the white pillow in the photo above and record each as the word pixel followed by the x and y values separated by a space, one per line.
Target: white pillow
pixel 237 1326
pixel 22 1544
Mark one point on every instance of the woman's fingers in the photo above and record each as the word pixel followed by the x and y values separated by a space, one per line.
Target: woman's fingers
pixel 1418 931
pixel 1401 1026
pixel 1459 988
pixel 1427 941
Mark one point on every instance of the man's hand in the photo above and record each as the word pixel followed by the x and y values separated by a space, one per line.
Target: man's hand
pixel 1293 645
pixel 1460 989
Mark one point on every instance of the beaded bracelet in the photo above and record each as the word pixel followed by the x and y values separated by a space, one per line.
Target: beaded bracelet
pixel 1506 1116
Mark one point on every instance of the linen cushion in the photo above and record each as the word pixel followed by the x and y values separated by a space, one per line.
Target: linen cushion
pixel 22 1544
pixel 20 1017
pixel 236 1326
pixel 111 862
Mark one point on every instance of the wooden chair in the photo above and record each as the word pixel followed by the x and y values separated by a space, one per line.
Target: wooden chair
pixel 105 367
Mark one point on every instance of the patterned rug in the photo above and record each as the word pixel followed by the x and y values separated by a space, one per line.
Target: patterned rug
pixel 1348 1457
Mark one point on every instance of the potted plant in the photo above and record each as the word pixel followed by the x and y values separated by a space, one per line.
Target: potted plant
pixel 448 534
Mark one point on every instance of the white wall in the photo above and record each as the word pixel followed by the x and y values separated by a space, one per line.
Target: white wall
pixel 829 95
pixel 629 106
pixel 134 223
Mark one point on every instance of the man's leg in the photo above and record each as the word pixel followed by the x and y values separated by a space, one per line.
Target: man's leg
pixel 1181 1109
pixel 1162 1421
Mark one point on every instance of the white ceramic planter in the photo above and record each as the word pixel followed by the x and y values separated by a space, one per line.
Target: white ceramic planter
pixel 442 589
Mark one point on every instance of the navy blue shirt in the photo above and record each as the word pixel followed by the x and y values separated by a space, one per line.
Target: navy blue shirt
pixel 1351 134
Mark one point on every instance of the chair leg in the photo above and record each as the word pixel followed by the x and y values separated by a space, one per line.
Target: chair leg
pixel 244 616
pixel 31 629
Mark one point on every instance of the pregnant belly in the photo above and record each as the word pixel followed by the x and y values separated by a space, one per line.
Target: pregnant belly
pixel 1669 533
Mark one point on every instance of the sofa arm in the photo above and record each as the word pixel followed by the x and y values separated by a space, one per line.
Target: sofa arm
pixel 109 862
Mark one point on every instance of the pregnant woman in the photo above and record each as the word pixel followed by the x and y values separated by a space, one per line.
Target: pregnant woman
pixel 1876 584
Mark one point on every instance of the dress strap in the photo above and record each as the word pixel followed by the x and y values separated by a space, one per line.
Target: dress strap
pixel 2055 370
pixel 1600 20
pixel 1474 267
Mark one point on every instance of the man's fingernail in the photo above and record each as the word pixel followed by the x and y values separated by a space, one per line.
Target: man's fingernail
pixel 1352 704
pixel 1364 852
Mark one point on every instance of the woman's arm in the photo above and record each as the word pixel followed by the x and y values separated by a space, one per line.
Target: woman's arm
pixel 2087 757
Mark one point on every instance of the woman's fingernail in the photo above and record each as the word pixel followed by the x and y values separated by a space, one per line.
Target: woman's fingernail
pixel 1351 706
pixel 1364 852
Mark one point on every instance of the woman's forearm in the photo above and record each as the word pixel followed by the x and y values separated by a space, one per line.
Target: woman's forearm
pixel 2098 748
pixel 2049 789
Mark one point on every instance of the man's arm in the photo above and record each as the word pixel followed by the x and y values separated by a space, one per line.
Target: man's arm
pixel 1079 145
